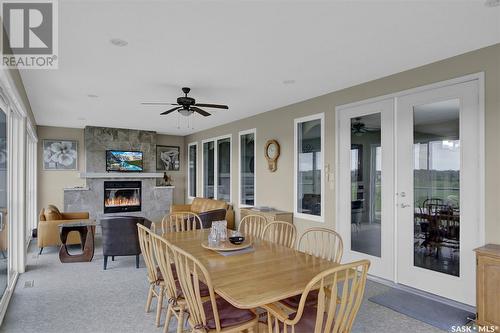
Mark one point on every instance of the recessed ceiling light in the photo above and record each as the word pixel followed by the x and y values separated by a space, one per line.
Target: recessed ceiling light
pixel 288 81
pixel 118 42
pixel 492 3
pixel 92 96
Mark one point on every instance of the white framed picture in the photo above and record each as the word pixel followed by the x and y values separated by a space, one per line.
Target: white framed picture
pixel 60 154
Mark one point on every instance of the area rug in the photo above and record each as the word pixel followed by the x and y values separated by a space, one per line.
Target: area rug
pixel 437 314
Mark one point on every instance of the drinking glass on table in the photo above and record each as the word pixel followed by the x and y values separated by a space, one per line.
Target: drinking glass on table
pixel 213 236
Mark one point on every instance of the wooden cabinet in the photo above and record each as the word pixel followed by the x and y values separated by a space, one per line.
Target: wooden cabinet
pixel 488 285
pixel 271 216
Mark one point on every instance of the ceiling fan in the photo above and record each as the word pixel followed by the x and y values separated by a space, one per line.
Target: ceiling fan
pixel 186 106
pixel 358 128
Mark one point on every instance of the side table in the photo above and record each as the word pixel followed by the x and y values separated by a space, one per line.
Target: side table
pixel 86 230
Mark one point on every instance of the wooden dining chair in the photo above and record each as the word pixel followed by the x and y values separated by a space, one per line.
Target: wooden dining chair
pixel 279 232
pixel 176 304
pixel 181 221
pixel 323 243
pixel 215 314
pixel 252 225
pixel 155 278
pixel 340 293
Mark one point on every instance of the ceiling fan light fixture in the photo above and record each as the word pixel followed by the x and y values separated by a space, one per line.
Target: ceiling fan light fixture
pixel 186 113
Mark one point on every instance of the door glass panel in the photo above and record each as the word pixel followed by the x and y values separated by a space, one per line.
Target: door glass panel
pixel 3 203
pixel 208 169
pixel 224 169
pixel 437 186
pixel 366 176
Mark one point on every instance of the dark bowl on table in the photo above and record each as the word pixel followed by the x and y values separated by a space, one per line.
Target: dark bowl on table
pixel 236 240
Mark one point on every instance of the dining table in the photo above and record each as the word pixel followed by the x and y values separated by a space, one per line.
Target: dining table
pixel 268 273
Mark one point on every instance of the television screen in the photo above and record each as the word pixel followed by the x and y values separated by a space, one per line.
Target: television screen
pixel 124 161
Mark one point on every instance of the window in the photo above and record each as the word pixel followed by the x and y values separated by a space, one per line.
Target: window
pixel 309 187
pixel 208 169
pixel 247 168
pixel 192 168
pixel 217 168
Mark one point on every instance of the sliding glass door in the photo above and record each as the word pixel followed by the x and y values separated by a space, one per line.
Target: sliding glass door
pixel 4 233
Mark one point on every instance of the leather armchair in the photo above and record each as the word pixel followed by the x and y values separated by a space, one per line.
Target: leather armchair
pixel 48 233
pixel 212 215
pixel 202 205
pixel 121 238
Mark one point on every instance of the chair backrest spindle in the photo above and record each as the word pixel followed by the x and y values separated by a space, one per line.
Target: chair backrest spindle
pixel 252 225
pixel 279 232
pixel 181 221
pixel 323 243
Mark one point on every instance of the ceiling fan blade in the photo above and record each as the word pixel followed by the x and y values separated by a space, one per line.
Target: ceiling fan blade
pixel 171 110
pixel 200 111
pixel 217 106
pixel 158 103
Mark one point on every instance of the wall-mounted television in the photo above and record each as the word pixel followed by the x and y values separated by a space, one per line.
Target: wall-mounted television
pixel 124 161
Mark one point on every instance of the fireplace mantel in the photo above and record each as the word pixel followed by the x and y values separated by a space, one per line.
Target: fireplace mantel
pixel 121 175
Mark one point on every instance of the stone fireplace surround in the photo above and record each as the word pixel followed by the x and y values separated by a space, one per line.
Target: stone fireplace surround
pixel 156 200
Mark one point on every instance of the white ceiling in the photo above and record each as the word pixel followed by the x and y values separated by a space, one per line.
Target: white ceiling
pixel 237 53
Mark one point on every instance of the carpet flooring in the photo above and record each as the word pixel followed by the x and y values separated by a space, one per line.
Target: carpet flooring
pixel 82 297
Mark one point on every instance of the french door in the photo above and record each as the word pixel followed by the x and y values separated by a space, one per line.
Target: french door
pixel 438 190
pixel 409 187
pixel 366 155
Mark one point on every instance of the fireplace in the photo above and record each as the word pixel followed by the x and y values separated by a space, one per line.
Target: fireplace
pixel 122 196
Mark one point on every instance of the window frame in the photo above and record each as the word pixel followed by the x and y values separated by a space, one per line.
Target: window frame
pixel 195 144
pixel 296 122
pixel 240 134
pixel 216 165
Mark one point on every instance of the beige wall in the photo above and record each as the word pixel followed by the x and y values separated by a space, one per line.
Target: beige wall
pixel 179 179
pixel 276 189
pixel 52 183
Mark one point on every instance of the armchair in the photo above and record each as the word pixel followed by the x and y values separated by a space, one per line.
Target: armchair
pixel 121 238
pixel 48 227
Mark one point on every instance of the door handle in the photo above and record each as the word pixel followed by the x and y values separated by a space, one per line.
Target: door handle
pixel 405 205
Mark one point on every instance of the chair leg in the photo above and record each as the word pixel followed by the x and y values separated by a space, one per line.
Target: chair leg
pixel 105 262
pixel 168 316
pixel 159 307
pixel 150 297
pixel 180 322
pixel 41 249
pixel 137 261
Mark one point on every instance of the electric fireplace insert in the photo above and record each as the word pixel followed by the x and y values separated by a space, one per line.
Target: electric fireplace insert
pixel 122 196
